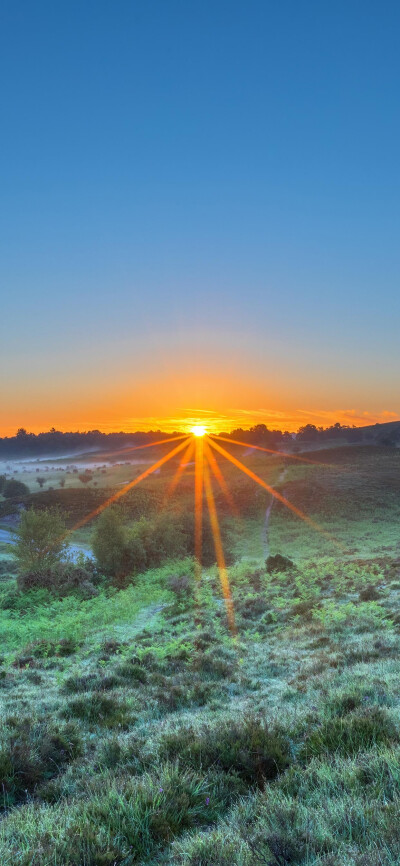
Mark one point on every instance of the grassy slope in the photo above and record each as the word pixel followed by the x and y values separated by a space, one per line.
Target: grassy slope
pixel 136 729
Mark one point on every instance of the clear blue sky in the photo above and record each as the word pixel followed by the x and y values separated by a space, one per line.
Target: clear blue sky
pixel 199 189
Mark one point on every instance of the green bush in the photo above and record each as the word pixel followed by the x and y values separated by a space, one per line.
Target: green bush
pixel 97 708
pixel 215 848
pixel 13 488
pixel 182 586
pixel 247 746
pixel 7 567
pixel 130 670
pixel 126 821
pixel 33 752
pixel 355 732
pixel 41 541
pixel 62 578
pixel 110 543
pixel 123 550
pixel 279 563
pixel 43 649
pixel 85 682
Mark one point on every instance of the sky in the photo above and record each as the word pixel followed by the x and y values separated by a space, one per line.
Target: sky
pixel 199 213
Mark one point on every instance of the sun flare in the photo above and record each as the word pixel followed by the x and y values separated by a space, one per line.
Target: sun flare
pixel 198 430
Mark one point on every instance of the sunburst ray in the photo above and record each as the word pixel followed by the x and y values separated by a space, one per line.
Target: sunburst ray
pixel 217 472
pixel 130 448
pixel 298 457
pixel 198 504
pixel 129 486
pixel 275 493
pixel 180 470
pixel 219 552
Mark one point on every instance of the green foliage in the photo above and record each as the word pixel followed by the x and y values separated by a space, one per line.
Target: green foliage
pixel 109 543
pixel 97 708
pixel 41 543
pixel 182 586
pixel 7 567
pixel 356 732
pixel 121 550
pixel 62 578
pixel 125 822
pixel 31 753
pixel 13 488
pixel 247 746
pixel 280 563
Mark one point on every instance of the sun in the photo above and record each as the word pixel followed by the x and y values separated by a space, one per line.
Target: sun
pixel 198 430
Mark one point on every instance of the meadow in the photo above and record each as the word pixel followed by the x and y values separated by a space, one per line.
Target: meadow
pixel 138 727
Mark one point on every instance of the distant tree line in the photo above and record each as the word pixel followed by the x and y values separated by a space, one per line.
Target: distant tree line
pixel 54 442
pixel 309 434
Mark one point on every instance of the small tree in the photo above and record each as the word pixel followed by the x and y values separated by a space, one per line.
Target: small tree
pixel 110 543
pixel 40 480
pixel 62 482
pixel 13 488
pixel 41 541
pixel 85 478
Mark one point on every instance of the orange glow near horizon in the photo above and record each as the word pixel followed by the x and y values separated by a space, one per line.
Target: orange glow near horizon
pixel 116 415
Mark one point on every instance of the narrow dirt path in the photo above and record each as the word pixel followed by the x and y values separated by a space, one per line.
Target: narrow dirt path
pixel 268 517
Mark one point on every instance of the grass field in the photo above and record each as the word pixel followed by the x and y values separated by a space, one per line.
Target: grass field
pixel 136 727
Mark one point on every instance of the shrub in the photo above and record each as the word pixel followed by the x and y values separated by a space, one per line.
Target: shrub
pixel 33 752
pixel 256 579
pixel 85 682
pixel 62 578
pixel 131 820
pixel 110 543
pixel 97 708
pixel 217 662
pixel 132 671
pixel 121 551
pixel 215 848
pixel 355 732
pixel 14 488
pixel 42 649
pixel 41 540
pixel 369 593
pixel 248 747
pixel 279 563
pixel 182 586
pixel 253 607
pixel 7 567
